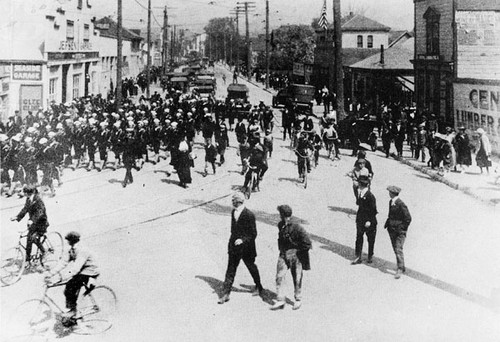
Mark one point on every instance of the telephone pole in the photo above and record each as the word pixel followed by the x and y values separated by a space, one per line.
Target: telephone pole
pixel 237 12
pixel 339 76
pixel 165 39
pixel 248 5
pixel 119 58
pixel 267 44
pixel 148 76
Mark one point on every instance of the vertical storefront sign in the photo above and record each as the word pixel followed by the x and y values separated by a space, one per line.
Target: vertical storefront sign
pixel 30 98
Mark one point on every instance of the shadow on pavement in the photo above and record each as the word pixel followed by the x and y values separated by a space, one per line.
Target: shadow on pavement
pixel 385 266
pixel 114 181
pixel 218 285
pixel 225 210
pixel 348 211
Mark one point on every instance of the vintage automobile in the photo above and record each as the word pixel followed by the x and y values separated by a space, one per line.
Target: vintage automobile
pixel 300 95
pixel 237 91
pixel 362 129
pixel 180 83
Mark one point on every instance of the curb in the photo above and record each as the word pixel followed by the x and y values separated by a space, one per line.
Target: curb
pixel 464 189
pixel 251 82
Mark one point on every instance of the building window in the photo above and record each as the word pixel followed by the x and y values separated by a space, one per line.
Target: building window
pixel 70 30
pixel 52 89
pixel 86 33
pixel 80 4
pixel 76 86
pixel 360 41
pixel 369 42
pixel 431 17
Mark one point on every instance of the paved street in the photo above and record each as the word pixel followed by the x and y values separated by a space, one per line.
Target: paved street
pixel 163 249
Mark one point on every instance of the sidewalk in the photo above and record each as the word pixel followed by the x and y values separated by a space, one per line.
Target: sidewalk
pixel 484 187
pixel 251 81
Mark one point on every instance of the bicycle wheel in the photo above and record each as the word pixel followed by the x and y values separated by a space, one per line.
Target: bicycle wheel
pixel 12 266
pixel 96 311
pixel 54 248
pixel 33 318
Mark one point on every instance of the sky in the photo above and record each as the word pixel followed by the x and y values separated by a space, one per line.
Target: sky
pixel 194 14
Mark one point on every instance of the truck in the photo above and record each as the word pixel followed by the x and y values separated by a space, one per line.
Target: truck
pixel 299 95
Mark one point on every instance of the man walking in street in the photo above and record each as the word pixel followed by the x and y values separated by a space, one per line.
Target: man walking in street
pixel 294 244
pixel 366 220
pixel 241 246
pixel 397 225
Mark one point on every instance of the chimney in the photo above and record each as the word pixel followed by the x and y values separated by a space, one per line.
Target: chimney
pixel 382 60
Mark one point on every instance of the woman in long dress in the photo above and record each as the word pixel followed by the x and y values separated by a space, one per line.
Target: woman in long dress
pixel 484 152
pixel 462 146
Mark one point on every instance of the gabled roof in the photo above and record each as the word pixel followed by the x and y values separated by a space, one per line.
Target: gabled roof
pixel 478 5
pixel 361 23
pixel 395 59
pixel 354 55
pixel 109 28
pixel 396 36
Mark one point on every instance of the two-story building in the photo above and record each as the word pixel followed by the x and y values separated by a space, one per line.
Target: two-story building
pixel 476 88
pixel 47 53
pixel 132 63
pixel 434 57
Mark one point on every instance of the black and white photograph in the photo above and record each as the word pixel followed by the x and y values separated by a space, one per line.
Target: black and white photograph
pixel 261 170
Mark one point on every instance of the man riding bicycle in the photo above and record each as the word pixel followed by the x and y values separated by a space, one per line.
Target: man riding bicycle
pixel 304 145
pixel 257 162
pixel 76 270
pixel 37 223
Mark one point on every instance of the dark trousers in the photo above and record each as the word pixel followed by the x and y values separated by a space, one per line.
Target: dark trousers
pixel 128 174
pixel 232 266
pixel 33 237
pixel 72 290
pixel 398 240
pixel 289 130
pixel 370 235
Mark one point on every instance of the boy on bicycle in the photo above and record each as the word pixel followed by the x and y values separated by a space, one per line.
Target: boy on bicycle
pixel 37 223
pixel 303 147
pixel 76 270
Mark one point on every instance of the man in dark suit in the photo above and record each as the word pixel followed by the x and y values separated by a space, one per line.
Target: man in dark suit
pixel 397 225
pixel 366 219
pixel 241 246
pixel 294 244
pixel 37 223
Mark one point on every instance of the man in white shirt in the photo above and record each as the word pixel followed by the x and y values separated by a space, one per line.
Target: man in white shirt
pixel 76 270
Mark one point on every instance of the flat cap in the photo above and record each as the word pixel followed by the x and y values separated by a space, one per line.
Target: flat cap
pixel 285 210
pixel 394 189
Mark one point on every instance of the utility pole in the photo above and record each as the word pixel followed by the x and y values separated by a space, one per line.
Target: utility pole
pixel 172 39
pixel 119 58
pixel 225 48
pixel 148 76
pixel 165 39
pixel 267 44
pixel 248 5
pixel 339 75
pixel 237 12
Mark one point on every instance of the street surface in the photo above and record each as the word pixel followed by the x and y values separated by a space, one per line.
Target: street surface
pixel 163 249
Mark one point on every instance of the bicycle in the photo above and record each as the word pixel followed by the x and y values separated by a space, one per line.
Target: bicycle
pixel 253 183
pixel 303 166
pixel 13 263
pixel 96 309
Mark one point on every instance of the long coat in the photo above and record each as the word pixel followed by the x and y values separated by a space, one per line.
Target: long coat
pixel 36 210
pixel 367 210
pixel 245 229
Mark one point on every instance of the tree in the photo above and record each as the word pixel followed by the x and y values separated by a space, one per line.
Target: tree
pixel 291 43
pixel 217 30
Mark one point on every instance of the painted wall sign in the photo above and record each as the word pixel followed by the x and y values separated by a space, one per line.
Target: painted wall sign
pixel 30 98
pixel 478 106
pixel 60 56
pixel 27 72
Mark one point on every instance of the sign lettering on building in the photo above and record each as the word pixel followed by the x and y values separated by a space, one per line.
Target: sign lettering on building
pixel 27 72
pixel 298 69
pixel 69 45
pixel 478 106
pixel 59 56
pixel 30 98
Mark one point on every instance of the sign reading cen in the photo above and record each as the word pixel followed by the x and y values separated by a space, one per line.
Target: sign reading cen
pixel 27 72
pixel 478 105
